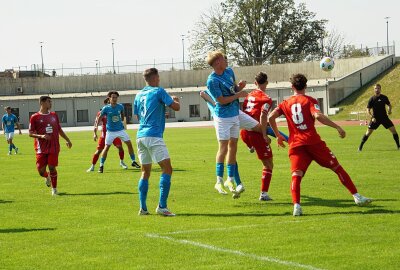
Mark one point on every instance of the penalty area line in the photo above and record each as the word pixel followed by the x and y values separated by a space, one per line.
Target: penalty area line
pixel 235 252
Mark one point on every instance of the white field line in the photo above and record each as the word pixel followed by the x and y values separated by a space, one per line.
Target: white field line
pixel 235 252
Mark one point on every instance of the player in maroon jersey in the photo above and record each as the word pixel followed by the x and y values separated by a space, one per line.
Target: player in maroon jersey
pixel 305 144
pixel 45 127
pixel 101 142
pixel 257 104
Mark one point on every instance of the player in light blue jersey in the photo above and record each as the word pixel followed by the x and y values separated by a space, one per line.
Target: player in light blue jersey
pixel 115 128
pixel 149 108
pixel 8 122
pixel 224 90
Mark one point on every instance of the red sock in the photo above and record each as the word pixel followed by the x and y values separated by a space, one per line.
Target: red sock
pixel 346 180
pixel 45 174
pixel 53 176
pixel 266 179
pixel 94 159
pixel 121 155
pixel 295 188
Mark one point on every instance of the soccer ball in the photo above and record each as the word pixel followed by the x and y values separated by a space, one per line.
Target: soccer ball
pixel 327 64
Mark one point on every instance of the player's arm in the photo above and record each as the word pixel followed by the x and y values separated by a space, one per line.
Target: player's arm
pixel 65 137
pixel 207 97
pixel 323 119
pixel 123 119
pixel 175 105
pixel 228 99
pixel 389 109
pixel 2 126
pixel 96 126
pixel 264 125
pixel 272 122
pixel 19 128
pixel 241 85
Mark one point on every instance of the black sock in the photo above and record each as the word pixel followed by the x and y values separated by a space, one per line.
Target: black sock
pixel 396 138
pixel 363 140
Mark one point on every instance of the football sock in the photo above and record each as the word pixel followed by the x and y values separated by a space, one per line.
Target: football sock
pixel 132 156
pixel 231 170
pixel 396 139
pixel 143 188
pixel 346 180
pixel 237 176
pixel 363 140
pixel 95 158
pixel 165 184
pixel 220 171
pixel 13 146
pixel 53 176
pixel 295 188
pixel 10 147
pixel 121 155
pixel 266 179
pixel 45 174
pixel 102 160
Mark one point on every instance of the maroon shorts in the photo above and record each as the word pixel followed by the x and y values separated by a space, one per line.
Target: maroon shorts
pixel 256 140
pixel 102 142
pixel 302 156
pixel 42 160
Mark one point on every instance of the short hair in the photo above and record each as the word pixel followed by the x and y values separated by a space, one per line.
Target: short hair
pixel 299 81
pixel 112 93
pixel 44 99
pixel 214 55
pixel 149 73
pixel 7 108
pixel 377 85
pixel 261 78
pixel 105 101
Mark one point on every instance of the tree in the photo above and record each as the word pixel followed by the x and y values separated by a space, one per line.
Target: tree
pixel 333 44
pixel 259 31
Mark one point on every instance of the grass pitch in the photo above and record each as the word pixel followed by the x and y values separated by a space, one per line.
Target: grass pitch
pixel 93 224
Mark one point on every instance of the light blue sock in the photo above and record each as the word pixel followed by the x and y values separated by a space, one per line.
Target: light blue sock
pixel 165 184
pixel 237 176
pixel 143 188
pixel 132 157
pixel 231 170
pixel 220 169
pixel 102 160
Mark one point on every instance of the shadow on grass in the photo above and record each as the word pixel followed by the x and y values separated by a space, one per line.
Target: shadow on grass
pixel 2 201
pixel 96 193
pixel 23 230
pixel 365 211
pixel 234 214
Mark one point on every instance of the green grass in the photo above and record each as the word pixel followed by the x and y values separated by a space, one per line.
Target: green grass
pixel 358 101
pixel 94 224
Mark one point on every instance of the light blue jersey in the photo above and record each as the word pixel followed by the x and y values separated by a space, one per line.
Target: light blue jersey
pixel 9 122
pixel 210 106
pixel 223 85
pixel 149 106
pixel 114 121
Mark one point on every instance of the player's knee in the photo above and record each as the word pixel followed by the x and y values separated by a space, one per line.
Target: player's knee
pixel 52 169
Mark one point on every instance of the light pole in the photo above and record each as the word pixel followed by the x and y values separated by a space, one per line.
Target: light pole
pixel 387 33
pixel 183 50
pixel 41 54
pixel 112 45
pixel 97 66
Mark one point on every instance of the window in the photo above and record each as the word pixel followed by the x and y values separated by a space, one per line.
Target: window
pixel 62 116
pixel 194 110
pixel 128 112
pixel 82 115
pixel 15 111
pixel 169 113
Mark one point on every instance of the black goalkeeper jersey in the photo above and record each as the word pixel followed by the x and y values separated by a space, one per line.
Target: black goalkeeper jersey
pixel 378 105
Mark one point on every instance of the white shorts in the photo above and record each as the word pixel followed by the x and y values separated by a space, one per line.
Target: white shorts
pixel 226 128
pixel 246 121
pixel 112 135
pixel 151 149
pixel 9 135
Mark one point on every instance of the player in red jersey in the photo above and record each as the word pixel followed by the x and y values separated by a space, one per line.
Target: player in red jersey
pixel 45 127
pixel 305 145
pixel 101 143
pixel 257 104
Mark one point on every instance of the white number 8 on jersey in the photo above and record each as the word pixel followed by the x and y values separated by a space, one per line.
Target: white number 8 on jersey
pixel 297 116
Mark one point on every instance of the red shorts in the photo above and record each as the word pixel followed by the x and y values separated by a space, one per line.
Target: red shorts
pixel 256 140
pixel 302 156
pixel 42 160
pixel 102 142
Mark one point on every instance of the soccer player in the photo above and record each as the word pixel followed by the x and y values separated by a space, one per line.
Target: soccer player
pixel 224 90
pixel 8 124
pixel 115 128
pixel 149 108
pixel 377 103
pixel 305 143
pixel 257 104
pixel 45 127
pixel 100 146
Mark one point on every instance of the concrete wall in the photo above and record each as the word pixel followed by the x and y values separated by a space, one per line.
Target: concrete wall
pixel 342 88
pixel 172 79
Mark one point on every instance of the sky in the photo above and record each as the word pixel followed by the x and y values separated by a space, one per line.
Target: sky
pixel 80 31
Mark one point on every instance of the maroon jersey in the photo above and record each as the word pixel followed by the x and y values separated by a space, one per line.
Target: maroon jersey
pixel 255 103
pixel 103 121
pixel 46 124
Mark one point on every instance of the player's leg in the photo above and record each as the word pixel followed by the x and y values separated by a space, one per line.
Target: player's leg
pixel 95 157
pixel 371 127
pixel 103 157
pixel 388 124
pixel 118 144
pixel 53 163
pixel 125 138
pixel 220 159
pixel 143 184
pixel 266 179
pixel 232 169
pixel 41 165
pixel 12 144
pixel 8 138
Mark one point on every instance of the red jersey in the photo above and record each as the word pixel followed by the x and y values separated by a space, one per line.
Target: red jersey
pixel 103 121
pixel 299 110
pixel 46 124
pixel 255 103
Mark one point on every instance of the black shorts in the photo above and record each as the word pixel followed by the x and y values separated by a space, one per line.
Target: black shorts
pixel 386 122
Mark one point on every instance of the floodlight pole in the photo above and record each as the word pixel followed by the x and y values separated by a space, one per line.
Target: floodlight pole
pixel 387 33
pixel 112 44
pixel 41 54
pixel 183 50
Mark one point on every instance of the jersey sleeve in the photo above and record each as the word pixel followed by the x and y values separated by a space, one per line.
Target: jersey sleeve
pixel 32 126
pixel 136 106
pixel 214 87
pixel 267 106
pixel 103 111
pixel 387 102
pixel 314 107
pixel 369 105
pixel 164 97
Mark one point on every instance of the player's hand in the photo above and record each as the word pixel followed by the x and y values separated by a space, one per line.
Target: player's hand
pixel 46 137
pixel 389 112
pixel 342 133
pixel 280 141
pixel 20 132
pixel 69 144
pixel 373 120
pixel 175 98
pixel 242 84
pixel 95 137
